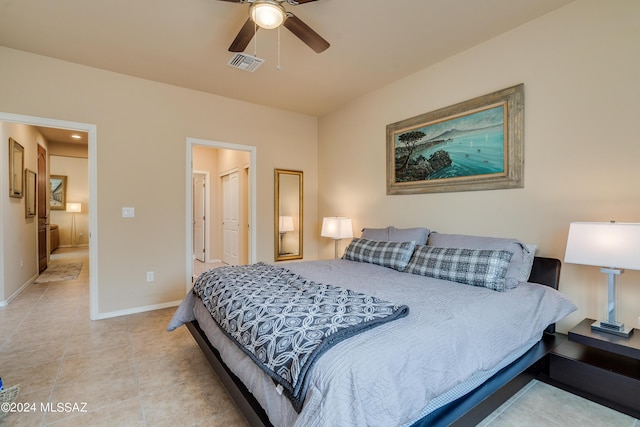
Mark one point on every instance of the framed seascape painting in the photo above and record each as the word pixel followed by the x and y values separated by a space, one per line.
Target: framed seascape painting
pixel 474 145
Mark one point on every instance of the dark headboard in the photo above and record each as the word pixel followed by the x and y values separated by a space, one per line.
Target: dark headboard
pixel 546 271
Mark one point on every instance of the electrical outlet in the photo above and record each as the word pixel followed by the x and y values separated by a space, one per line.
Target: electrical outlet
pixel 638 321
pixel 150 276
pixel 22 266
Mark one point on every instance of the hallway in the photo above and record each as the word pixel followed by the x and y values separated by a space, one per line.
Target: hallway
pixel 128 370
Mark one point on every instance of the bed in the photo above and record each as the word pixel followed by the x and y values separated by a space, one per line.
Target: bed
pixel 459 352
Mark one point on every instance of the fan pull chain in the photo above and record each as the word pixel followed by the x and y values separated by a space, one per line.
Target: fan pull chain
pixel 278 67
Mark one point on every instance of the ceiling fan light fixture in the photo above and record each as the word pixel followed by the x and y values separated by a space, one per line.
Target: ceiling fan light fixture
pixel 267 14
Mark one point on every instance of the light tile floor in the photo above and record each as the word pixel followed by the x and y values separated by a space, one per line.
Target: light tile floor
pixel 541 405
pixel 131 372
pixel 128 370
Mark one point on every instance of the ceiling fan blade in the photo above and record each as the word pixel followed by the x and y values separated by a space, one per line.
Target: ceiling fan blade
pixel 294 2
pixel 240 43
pixel 233 1
pixel 305 33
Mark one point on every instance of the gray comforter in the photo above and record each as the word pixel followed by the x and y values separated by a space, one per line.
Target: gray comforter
pixel 285 322
pixel 396 373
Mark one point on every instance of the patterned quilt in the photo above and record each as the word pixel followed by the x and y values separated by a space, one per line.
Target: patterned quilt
pixel 285 322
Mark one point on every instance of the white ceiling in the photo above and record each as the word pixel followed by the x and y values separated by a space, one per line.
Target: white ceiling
pixel 184 42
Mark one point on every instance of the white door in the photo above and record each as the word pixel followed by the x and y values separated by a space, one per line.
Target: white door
pixel 231 219
pixel 199 213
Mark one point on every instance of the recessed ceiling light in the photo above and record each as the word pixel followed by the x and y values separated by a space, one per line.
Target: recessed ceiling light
pixel 76 136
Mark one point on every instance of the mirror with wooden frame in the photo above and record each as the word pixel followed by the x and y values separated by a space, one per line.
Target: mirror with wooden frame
pixel 30 190
pixel 16 169
pixel 288 215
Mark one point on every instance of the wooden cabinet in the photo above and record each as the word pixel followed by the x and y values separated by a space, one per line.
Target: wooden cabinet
pixel 54 237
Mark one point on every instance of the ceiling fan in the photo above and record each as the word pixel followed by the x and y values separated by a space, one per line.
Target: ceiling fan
pixel 271 14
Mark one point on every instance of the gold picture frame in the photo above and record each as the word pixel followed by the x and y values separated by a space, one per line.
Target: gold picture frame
pixel 30 191
pixel 16 169
pixel 57 192
pixel 473 145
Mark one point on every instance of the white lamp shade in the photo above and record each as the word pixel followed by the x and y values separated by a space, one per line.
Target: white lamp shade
pixel 604 244
pixel 285 223
pixel 267 14
pixel 74 207
pixel 337 227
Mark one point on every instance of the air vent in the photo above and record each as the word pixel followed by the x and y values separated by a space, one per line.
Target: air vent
pixel 245 62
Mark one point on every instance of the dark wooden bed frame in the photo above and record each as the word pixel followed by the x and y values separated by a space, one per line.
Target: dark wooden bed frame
pixel 467 410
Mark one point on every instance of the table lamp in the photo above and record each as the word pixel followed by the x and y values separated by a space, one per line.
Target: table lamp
pixel 613 246
pixel 285 224
pixel 337 228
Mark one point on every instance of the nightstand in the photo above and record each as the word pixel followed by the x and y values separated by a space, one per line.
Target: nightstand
pixel 601 367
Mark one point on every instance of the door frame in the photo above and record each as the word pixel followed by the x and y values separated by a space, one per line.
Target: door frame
pixel 91 130
pixel 207 213
pixel 41 195
pixel 190 143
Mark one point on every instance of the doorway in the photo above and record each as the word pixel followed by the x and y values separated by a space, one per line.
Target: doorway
pixel 91 131
pixel 224 220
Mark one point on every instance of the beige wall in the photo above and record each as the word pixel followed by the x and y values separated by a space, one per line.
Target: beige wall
pixel 142 127
pixel 580 66
pixel 68 149
pixel 18 235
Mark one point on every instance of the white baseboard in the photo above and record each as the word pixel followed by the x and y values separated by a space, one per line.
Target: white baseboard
pixel 18 292
pixel 136 310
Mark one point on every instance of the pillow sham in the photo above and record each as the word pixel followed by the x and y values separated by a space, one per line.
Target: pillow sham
pixel 393 234
pixel 417 234
pixel 476 267
pixel 394 255
pixel 378 234
pixel 521 262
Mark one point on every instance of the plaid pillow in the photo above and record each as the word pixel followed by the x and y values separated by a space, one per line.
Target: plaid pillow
pixel 476 267
pixel 394 255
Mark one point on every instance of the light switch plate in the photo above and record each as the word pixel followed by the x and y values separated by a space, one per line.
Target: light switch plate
pixel 128 212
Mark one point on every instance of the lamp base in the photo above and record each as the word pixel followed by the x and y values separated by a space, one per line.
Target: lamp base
pixel 615 328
